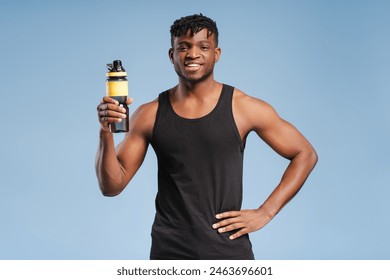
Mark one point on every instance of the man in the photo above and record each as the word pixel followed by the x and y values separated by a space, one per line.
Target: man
pixel 198 130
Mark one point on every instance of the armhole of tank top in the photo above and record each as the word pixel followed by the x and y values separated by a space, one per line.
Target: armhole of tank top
pixel 233 121
pixel 157 120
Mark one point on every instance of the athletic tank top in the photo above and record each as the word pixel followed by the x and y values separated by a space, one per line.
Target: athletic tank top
pixel 200 164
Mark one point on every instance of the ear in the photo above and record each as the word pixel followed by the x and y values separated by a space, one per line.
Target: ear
pixel 217 54
pixel 170 54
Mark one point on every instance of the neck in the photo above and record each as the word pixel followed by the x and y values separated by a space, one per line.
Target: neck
pixel 199 89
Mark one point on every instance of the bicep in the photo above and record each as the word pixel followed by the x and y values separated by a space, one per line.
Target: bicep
pixel 132 150
pixel 279 134
pixel 284 138
pixel 131 153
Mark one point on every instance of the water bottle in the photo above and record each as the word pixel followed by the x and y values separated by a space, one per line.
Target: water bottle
pixel 117 88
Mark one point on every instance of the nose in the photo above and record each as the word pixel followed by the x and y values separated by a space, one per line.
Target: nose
pixel 193 53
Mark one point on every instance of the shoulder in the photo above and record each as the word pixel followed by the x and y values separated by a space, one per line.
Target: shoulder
pixel 252 111
pixel 147 110
pixel 143 118
pixel 246 101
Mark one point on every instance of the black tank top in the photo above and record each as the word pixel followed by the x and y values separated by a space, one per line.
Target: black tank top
pixel 200 164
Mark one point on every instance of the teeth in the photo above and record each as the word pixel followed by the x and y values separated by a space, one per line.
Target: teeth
pixel 193 65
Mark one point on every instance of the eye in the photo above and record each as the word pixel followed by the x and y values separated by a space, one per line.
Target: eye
pixel 182 48
pixel 205 47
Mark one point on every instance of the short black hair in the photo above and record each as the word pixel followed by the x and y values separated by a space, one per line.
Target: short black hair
pixel 194 23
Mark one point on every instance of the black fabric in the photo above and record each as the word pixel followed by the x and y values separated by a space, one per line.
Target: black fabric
pixel 199 175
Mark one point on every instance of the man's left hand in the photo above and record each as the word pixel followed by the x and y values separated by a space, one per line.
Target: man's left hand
pixel 245 221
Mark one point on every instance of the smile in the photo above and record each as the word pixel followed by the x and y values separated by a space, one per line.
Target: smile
pixel 192 64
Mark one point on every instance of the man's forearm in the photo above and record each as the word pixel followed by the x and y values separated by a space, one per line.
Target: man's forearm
pixel 251 220
pixel 108 169
pixel 292 180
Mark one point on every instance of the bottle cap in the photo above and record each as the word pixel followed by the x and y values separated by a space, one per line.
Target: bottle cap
pixel 115 69
pixel 115 66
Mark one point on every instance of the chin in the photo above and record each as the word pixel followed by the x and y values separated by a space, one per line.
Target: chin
pixel 193 79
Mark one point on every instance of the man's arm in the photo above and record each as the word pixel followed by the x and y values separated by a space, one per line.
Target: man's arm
pixel 115 167
pixel 255 115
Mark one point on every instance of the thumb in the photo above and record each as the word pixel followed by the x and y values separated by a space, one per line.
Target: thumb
pixel 129 100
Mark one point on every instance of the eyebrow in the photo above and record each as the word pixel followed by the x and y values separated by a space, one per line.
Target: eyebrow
pixel 189 43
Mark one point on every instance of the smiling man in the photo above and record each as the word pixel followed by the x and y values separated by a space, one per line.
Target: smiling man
pixel 198 130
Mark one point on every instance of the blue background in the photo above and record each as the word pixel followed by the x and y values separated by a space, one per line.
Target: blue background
pixel 323 65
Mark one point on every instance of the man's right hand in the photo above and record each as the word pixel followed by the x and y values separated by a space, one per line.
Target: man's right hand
pixel 109 111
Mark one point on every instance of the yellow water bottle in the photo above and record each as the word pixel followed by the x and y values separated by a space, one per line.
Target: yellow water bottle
pixel 117 88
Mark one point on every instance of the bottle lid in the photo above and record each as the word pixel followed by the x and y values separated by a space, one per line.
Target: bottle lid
pixel 115 69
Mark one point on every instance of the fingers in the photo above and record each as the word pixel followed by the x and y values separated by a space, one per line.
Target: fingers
pixel 229 218
pixel 109 110
pixel 107 99
pixel 236 226
pixel 225 223
pixel 231 222
pixel 243 221
pixel 229 225
pixel 227 214
pixel 105 117
pixel 239 234
pixel 111 113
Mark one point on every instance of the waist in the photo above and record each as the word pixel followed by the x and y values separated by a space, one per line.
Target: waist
pixel 178 241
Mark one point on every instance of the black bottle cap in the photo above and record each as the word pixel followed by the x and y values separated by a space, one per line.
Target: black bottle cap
pixel 115 66
pixel 118 66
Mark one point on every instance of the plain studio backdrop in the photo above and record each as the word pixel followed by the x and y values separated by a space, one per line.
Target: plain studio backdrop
pixel 323 65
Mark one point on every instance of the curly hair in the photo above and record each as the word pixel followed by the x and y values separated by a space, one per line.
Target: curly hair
pixel 194 23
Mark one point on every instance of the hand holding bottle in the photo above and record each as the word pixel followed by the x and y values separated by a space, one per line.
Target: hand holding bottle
pixel 110 111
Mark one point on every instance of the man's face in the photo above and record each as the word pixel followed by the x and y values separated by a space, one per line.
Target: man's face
pixel 194 57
